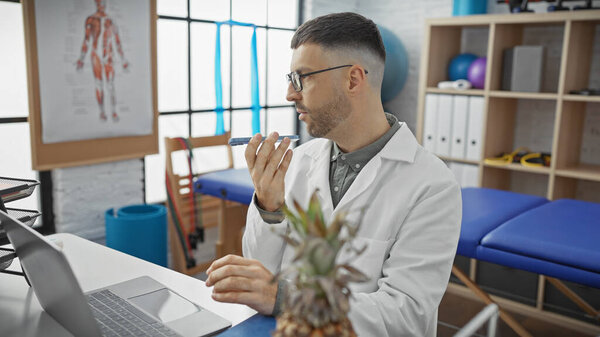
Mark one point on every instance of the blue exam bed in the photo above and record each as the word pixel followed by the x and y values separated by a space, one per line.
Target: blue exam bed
pixel 559 239
pixel 233 185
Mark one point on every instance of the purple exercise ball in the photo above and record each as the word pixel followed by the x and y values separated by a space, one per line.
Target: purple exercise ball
pixel 476 73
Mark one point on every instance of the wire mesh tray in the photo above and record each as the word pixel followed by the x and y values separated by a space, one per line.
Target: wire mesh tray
pixel 14 189
pixel 27 217
pixel 6 257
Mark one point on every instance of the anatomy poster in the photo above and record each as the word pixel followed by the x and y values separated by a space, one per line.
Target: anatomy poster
pixel 94 60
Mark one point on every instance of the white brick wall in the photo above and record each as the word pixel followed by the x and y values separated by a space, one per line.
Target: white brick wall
pixel 82 195
pixel 405 19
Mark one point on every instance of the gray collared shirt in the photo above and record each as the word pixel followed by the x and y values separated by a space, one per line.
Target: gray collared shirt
pixel 345 167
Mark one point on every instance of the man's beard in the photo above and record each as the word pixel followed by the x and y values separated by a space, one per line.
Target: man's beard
pixel 328 116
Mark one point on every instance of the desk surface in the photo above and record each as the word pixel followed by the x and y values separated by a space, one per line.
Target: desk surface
pixel 96 266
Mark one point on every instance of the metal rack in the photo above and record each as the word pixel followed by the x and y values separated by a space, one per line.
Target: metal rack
pixel 12 189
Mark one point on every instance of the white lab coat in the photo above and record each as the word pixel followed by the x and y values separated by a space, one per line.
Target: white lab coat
pixel 411 227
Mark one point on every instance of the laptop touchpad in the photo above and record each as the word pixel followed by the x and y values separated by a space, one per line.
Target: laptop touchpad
pixel 165 305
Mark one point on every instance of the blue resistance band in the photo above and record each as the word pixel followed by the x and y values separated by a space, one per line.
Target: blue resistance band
pixel 220 129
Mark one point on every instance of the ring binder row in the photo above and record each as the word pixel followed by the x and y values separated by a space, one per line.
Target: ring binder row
pixel 453 129
pixel 12 189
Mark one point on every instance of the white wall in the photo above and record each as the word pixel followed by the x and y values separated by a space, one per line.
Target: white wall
pixel 406 19
pixel 82 194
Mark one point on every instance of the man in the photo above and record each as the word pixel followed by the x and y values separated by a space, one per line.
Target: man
pixel 101 32
pixel 362 156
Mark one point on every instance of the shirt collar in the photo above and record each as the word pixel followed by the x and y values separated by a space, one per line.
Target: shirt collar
pixel 359 158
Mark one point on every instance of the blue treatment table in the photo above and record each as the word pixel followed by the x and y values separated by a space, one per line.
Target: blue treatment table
pixel 559 239
pixel 232 184
pixel 484 210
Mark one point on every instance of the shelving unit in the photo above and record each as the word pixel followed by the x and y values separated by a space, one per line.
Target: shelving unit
pixel 571 66
pixel 470 92
pixel 574 33
pixel 580 98
pixel 523 95
pixel 464 161
pixel 518 167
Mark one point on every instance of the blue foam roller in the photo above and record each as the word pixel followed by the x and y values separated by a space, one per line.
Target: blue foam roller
pixel 139 230
pixel 469 7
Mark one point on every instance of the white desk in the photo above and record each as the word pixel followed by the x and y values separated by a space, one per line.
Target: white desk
pixel 96 266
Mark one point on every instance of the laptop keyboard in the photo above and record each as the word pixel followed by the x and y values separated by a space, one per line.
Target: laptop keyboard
pixel 117 317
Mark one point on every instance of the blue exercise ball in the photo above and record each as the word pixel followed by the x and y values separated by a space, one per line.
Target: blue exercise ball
pixel 459 66
pixel 396 65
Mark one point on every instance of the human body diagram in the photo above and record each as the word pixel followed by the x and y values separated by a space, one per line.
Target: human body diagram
pixel 102 39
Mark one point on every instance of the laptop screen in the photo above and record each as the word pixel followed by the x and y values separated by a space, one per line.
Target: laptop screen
pixel 51 277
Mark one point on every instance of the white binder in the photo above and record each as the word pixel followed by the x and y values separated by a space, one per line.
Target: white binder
pixel 444 125
pixel 457 169
pixel 459 127
pixel 470 176
pixel 474 128
pixel 430 123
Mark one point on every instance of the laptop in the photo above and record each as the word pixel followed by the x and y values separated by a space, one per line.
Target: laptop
pixel 137 307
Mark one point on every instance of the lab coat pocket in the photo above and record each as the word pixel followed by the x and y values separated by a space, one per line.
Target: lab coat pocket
pixel 370 262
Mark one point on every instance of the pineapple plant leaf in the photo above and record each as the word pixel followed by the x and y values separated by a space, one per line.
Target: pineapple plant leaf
pixel 295 221
pixel 318 298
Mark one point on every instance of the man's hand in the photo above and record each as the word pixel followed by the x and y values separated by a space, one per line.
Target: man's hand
pixel 267 169
pixel 244 281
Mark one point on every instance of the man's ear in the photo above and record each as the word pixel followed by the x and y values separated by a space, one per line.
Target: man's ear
pixel 358 79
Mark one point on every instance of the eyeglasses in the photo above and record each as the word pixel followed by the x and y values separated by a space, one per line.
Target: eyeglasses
pixel 296 79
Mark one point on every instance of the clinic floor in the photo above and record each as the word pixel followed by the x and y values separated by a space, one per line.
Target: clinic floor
pixel 456 310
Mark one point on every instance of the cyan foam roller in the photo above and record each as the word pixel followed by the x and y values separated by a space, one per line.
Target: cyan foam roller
pixel 139 230
pixel 469 7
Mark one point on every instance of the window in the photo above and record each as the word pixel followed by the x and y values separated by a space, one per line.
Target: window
pixel 186 94
pixel 15 152
pixel 186 89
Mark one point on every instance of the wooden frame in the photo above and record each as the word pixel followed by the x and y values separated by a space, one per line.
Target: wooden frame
pixel 442 38
pixel 84 152
pixel 228 216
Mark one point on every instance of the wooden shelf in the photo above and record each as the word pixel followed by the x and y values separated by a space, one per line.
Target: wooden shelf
pixel 577 34
pixel 583 171
pixel 581 98
pixel 524 95
pixel 521 18
pixel 472 92
pixel 459 160
pixel 520 168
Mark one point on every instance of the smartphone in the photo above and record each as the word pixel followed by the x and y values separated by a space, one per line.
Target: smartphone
pixel 245 140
